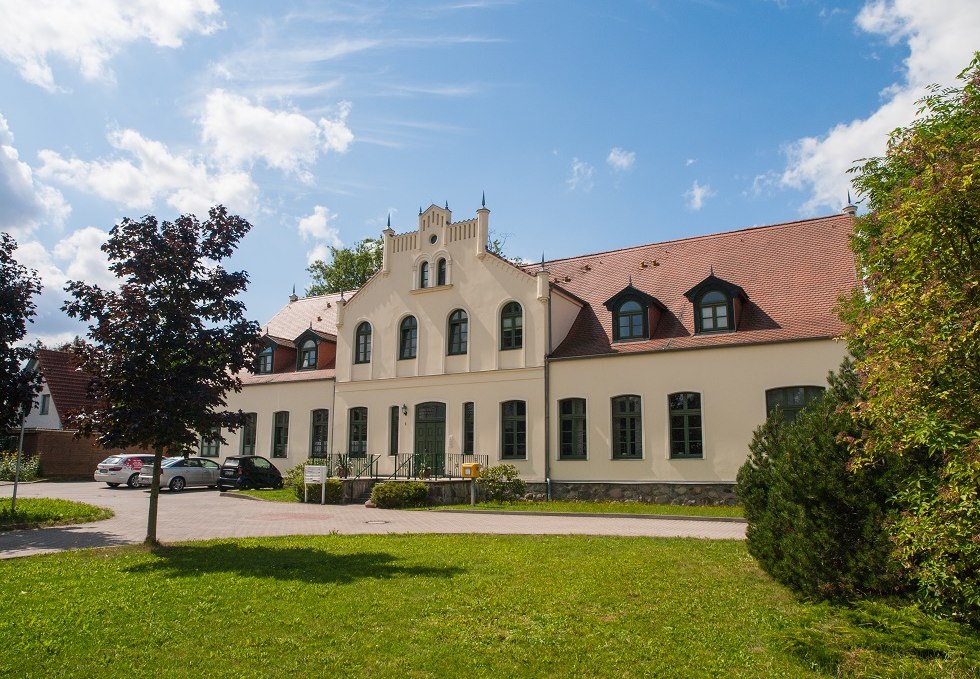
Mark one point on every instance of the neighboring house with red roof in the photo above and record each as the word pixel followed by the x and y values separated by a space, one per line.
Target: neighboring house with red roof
pixel 639 372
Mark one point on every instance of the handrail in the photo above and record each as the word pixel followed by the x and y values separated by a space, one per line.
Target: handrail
pixel 439 465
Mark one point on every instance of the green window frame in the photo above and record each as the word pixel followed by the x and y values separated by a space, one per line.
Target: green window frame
pixel 458 333
pixel 571 429
pixel 263 362
pixel 627 427
pixel 791 400
pixel 424 275
pixel 513 430
pixel 248 433
pixel 357 432
pixel 714 312
pixel 441 272
pixel 511 326
pixel 210 444
pixel 686 438
pixel 362 343
pixel 469 427
pixel 630 322
pixel 408 337
pixel 319 432
pixel 393 430
pixel 307 355
pixel 280 433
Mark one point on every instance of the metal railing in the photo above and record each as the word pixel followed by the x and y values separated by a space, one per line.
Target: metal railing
pixel 342 465
pixel 433 465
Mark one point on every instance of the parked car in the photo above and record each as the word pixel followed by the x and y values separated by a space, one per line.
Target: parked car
pixel 119 469
pixel 176 473
pixel 248 471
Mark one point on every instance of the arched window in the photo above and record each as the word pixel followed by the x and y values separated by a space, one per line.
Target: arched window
pixel 408 336
pixel 458 332
pixel 685 425
pixel 362 343
pixel 511 326
pixel 424 275
pixel 307 355
pixel 713 312
pixel 441 272
pixel 627 425
pixel 630 321
pixel 263 363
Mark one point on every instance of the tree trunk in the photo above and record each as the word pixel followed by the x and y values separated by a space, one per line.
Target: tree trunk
pixel 151 519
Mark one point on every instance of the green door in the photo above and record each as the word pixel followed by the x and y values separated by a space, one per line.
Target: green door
pixel 430 438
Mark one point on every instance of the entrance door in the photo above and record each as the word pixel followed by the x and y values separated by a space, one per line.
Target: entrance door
pixel 430 438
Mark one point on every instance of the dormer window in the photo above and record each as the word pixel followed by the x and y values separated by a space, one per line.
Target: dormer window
pixel 629 321
pixel 441 272
pixel 634 314
pixel 263 362
pixel 307 355
pixel 717 305
pixel 424 275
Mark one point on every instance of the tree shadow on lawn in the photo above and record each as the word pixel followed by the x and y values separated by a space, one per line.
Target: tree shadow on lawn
pixel 289 563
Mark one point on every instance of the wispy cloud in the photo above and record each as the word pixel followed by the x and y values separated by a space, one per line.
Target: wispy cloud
pixel 620 159
pixel 581 176
pixel 697 195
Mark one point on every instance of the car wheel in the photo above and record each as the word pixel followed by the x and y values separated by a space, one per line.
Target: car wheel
pixel 279 483
pixel 177 483
pixel 112 485
pixel 133 480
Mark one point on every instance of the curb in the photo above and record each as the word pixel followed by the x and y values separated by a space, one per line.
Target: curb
pixel 659 517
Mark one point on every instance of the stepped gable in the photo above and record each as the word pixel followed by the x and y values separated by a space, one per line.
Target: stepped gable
pixel 792 273
pixel 295 318
pixel 68 385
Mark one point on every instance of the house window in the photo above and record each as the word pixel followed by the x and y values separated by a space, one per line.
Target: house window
pixel 458 332
pixel 571 429
pixel 319 419
pixel 408 338
pixel 685 425
pixel 210 443
pixel 627 428
pixel 469 427
pixel 307 355
pixel 791 400
pixel 713 312
pixel 393 430
pixel 280 433
pixel 511 326
pixel 248 433
pixel 362 343
pixel 45 404
pixel 441 272
pixel 513 430
pixel 357 432
pixel 263 362
pixel 424 275
pixel 629 321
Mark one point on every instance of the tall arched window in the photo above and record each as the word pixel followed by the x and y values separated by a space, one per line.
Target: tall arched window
pixel 362 343
pixel 307 355
pixel 424 275
pixel 458 332
pixel 511 326
pixel 408 336
pixel 441 272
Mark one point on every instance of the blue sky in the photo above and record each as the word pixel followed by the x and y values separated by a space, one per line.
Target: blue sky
pixel 589 125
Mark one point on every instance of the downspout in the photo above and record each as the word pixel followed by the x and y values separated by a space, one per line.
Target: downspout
pixel 547 402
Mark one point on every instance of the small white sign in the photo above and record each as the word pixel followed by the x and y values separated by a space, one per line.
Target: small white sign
pixel 314 474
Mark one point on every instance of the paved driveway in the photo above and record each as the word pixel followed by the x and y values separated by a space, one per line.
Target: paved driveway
pixel 198 514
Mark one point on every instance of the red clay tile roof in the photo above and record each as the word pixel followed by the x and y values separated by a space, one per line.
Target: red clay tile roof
pixel 792 273
pixel 294 319
pixel 68 386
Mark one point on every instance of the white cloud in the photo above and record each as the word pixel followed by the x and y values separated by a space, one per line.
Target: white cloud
pixel 697 194
pixel 24 202
pixel 88 33
pixel 83 259
pixel 941 37
pixel 690 161
pixel 153 173
pixel 620 159
pixel 581 177
pixel 317 227
pixel 242 132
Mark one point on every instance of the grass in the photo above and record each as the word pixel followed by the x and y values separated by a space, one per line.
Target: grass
pixel 272 494
pixel 40 512
pixel 436 606
pixel 587 507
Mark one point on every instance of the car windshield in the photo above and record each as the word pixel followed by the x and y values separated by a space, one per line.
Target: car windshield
pixel 231 462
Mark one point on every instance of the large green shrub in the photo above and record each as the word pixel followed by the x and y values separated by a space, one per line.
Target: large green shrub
pixel 30 467
pixel 501 483
pixel 399 494
pixel 815 524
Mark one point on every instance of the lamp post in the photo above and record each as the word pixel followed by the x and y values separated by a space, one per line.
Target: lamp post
pixel 20 451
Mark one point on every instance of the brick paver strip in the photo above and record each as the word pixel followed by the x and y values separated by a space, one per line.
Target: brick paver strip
pixel 200 514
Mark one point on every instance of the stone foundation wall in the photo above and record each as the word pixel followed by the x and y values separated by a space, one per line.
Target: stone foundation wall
pixel 657 493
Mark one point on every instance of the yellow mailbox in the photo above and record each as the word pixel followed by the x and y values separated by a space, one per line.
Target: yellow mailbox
pixel 471 470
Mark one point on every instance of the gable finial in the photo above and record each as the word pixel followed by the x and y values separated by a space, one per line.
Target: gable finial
pixel 631 280
pixel 420 210
pixel 542 261
pixel 483 201
pixel 447 204
pixel 711 269
pixel 849 201
pixel 292 296
pixel 389 220
pixel 342 295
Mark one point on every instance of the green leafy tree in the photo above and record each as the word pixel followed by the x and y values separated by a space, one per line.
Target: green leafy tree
pixel 916 330
pixel 18 286
pixel 815 524
pixel 169 344
pixel 348 269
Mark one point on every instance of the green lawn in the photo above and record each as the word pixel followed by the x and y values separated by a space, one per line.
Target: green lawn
pixel 38 512
pixel 432 606
pixel 586 507
pixel 273 494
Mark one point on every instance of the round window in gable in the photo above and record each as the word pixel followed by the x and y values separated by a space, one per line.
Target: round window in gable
pixel 433 238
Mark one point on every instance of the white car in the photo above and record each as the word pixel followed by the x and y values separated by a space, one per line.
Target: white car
pixel 176 473
pixel 119 469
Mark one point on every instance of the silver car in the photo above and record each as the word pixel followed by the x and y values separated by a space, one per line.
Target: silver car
pixel 176 473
